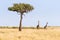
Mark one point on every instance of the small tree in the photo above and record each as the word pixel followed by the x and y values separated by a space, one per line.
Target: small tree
pixel 21 8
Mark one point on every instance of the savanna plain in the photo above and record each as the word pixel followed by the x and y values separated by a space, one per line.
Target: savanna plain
pixel 51 33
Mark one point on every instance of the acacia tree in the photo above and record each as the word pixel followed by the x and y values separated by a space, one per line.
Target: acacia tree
pixel 21 8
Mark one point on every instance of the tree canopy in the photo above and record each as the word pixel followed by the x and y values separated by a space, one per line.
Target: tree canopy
pixel 21 7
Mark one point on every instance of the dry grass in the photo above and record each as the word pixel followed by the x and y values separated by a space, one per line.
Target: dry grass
pixel 30 34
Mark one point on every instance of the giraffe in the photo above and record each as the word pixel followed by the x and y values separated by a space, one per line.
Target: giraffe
pixel 45 25
pixel 38 24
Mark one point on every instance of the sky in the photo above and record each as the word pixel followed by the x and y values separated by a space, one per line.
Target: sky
pixel 44 11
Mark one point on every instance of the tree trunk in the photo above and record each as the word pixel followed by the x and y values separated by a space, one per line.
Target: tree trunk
pixel 20 26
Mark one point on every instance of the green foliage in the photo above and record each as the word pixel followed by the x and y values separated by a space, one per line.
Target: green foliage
pixel 21 7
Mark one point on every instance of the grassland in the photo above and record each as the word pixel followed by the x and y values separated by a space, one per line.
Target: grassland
pixel 51 33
